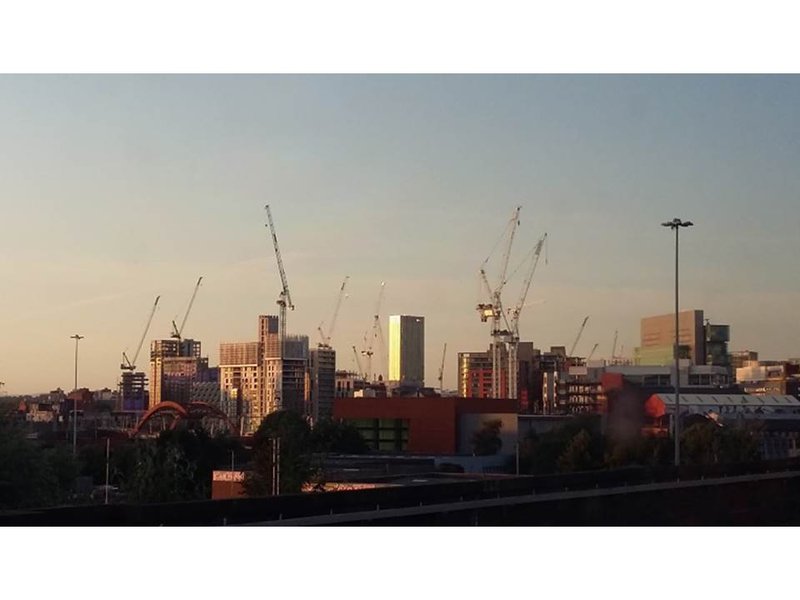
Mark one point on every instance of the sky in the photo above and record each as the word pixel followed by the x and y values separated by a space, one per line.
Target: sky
pixel 116 189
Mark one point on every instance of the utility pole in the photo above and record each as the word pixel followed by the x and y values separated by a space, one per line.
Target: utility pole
pixel 231 480
pixel 276 466
pixel 108 454
pixel 77 338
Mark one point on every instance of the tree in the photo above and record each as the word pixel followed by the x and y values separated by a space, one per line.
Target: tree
pixel 32 476
pixel 577 455
pixel 295 454
pixel 162 474
pixel 707 443
pixel 205 452
pixel 641 451
pixel 540 453
pixel 329 436
pixel 486 441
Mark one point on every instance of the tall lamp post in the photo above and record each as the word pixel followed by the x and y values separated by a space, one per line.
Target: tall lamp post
pixel 676 224
pixel 77 338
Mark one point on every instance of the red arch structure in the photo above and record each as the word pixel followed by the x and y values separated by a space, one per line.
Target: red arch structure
pixel 191 412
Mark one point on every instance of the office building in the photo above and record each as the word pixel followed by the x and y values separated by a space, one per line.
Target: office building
pixel 174 366
pixel 658 339
pixel 428 425
pixel 537 374
pixel 133 391
pixel 407 350
pixel 255 379
pixel 322 366
pixel 239 378
pixel 475 374
pixel 741 358
pixel 769 378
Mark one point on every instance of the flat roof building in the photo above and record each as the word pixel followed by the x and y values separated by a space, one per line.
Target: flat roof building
pixel 658 338
pixel 407 350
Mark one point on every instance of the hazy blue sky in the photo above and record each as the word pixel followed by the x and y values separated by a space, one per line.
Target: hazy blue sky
pixel 118 188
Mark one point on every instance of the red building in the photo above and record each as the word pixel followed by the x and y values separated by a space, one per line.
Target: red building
pixel 427 425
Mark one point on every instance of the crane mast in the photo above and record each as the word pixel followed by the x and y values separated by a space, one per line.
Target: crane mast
pixel 284 298
pixel 358 362
pixel 578 337
pixel 377 332
pixel 614 348
pixel 326 339
pixel 513 345
pixel 441 368
pixel 284 301
pixel 176 331
pixel 128 365
pixel 494 309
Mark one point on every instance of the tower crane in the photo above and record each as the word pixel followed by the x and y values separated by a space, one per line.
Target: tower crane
pixel 358 362
pixel 591 354
pixel 494 308
pixel 441 368
pixel 130 365
pixel 578 337
pixel 513 345
pixel 284 298
pixel 326 339
pixel 284 301
pixel 377 332
pixel 178 332
pixel 614 347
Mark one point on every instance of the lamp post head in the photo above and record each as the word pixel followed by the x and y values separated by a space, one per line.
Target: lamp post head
pixel 675 223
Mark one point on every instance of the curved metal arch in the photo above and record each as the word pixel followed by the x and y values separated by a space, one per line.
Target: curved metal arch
pixel 209 410
pixel 166 406
pixel 193 410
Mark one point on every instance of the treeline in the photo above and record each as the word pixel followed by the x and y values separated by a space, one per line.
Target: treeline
pixel 176 466
pixel 580 446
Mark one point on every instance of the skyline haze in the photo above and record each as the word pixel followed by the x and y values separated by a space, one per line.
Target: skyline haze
pixel 120 188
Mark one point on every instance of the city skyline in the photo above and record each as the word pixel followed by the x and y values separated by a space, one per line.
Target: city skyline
pixel 121 188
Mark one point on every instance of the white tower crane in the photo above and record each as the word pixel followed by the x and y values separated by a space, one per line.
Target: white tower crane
pixel 178 332
pixel 284 301
pixel 494 308
pixel 326 339
pixel 614 347
pixel 377 332
pixel 130 365
pixel 513 365
pixel 358 362
pixel 578 337
pixel 441 369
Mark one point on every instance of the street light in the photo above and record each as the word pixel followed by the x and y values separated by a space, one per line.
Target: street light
pixel 77 338
pixel 676 224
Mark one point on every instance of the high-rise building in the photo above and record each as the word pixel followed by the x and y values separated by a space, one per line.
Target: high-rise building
pixel 658 339
pixel 475 374
pixel 133 391
pixel 323 382
pixel 239 378
pixel 716 344
pixel 407 350
pixel 295 379
pixel 255 380
pixel 536 375
pixel 174 366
